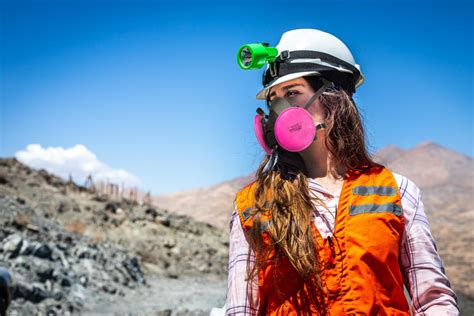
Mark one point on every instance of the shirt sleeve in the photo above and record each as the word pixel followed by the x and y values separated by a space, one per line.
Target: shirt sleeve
pixel 421 265
pixel 242 295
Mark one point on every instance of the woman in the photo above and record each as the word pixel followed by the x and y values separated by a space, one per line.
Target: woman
pixel 323 229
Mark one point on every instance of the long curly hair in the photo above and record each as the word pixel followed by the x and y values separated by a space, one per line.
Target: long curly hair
pixel 284 174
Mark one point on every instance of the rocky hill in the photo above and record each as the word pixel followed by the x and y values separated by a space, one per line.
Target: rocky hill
pixel 72 251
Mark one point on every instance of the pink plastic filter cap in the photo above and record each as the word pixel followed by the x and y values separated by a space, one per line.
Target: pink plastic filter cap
pixel 294 129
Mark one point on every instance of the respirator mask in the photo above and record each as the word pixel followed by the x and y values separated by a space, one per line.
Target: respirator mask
pixel 288 124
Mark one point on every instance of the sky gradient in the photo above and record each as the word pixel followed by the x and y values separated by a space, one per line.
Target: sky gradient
pixel 154 88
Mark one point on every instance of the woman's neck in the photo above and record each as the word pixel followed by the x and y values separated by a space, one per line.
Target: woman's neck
pixel 318 163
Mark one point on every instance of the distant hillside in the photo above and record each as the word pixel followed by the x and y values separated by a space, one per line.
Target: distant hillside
pixel 212 204
pixel 429 165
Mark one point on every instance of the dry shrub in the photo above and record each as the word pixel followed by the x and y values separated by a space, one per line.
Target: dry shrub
pixel 75 226
pixel 97 237
pixel 147 256
pixel 22 219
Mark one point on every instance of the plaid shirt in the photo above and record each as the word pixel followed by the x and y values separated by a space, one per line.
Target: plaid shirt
pixel 421 266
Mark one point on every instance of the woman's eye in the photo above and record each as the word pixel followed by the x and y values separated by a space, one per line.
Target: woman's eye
pixel 289 93
pixel 292 93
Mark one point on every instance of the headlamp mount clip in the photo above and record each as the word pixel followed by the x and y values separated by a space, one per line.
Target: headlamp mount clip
pixel 273 66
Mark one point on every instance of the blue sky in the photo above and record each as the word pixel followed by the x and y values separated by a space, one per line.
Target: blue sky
pixel 154 88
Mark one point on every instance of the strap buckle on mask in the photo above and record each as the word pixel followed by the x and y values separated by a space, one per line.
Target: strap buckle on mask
pixel 320 126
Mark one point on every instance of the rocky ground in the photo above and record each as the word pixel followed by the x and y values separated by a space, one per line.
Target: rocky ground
pixel 71 251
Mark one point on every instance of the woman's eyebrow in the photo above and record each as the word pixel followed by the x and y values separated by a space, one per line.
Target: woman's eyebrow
pixel 286 88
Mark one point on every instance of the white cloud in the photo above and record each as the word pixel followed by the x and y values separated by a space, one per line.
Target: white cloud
pixel 77 161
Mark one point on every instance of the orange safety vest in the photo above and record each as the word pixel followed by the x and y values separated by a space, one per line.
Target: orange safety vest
pixel 360 270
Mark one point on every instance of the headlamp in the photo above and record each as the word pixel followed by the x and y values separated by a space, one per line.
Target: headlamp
pixel 255 56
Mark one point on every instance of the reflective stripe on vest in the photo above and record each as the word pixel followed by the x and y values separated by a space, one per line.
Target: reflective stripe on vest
pixel 359 265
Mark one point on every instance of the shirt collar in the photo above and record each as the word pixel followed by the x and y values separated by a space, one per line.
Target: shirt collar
pixel 314 186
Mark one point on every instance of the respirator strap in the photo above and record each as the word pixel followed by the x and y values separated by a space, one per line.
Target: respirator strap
pixel 318 93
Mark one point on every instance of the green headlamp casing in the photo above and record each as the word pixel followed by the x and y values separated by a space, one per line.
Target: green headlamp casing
pixel 255 56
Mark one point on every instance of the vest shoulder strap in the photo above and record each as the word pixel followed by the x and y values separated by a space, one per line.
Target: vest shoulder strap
pixel 244 201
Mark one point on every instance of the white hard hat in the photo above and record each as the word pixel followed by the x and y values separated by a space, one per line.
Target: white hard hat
pixel 318 53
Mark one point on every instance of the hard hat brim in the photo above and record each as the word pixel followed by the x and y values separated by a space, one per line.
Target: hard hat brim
pixel 262 94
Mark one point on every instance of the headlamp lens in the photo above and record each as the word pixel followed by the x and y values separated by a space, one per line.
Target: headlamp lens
pixel 246 56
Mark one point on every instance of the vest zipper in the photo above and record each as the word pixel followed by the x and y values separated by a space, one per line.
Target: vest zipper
pixel 331 245
pixel 336 217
